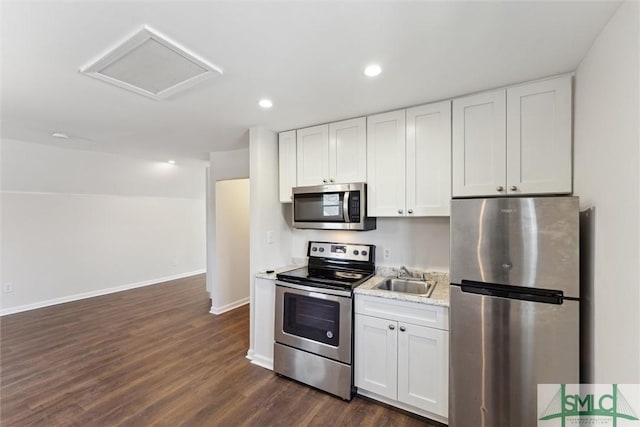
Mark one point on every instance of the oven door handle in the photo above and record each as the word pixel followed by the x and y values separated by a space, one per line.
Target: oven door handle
pixel 317 292
pixel 345 207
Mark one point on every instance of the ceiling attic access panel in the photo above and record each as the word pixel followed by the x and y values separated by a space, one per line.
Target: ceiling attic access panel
pixel 150 64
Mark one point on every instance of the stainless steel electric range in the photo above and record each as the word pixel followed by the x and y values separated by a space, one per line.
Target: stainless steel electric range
pixel 314 316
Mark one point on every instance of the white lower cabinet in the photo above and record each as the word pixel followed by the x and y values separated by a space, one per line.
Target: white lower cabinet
pixel 376 355
pixel 400 358
pixel 423 365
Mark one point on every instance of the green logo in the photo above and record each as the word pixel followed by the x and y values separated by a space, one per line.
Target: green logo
pixel 588 404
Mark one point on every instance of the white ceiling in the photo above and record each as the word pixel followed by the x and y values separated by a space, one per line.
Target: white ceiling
pixel 305 56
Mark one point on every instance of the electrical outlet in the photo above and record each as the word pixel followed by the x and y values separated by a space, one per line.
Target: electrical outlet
pixel 387 254
pixel 7 287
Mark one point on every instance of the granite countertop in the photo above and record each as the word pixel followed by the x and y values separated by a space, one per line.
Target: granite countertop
pixel 439 296
pixel 272 276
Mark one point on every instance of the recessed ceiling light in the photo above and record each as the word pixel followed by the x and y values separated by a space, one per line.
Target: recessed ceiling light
pixel 265 103
pixel 171 162
pixel 372 70
pixel 60 135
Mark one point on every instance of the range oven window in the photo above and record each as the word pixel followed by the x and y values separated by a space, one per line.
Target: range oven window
pixel 318 207
pixel 312 318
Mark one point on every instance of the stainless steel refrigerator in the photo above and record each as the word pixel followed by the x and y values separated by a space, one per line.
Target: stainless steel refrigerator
pixel 514 314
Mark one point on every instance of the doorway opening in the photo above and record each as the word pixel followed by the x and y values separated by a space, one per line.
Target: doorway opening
pixel 231 283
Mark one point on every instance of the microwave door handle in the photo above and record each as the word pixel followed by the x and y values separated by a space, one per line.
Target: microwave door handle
pixel 345 207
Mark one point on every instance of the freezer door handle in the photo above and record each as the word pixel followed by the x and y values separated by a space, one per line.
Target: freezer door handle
pixel 547 296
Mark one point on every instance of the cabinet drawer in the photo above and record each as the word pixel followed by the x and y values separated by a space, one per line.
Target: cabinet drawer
pixel 415 313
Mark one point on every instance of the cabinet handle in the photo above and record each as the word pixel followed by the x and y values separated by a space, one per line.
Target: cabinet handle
pixel 402 329
pixel 400 211
pixel 514 188
pixel 324 180
pixel 410 211
pixel 332 180
pixel 500 188
pixel 392 327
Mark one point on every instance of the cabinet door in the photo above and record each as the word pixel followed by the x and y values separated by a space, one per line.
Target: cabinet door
pixel 287 164
pixel 539 137
pixel 423 368
pixel 264 321
pixel 386 164
pixel 429 159
pixel 376 355
pixel 313 155
pixel 479 150
pixel 348 151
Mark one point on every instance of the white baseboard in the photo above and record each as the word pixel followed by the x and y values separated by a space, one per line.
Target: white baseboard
pixel 258 360
pixel 228 307
pixel 262 362
pixel 76 297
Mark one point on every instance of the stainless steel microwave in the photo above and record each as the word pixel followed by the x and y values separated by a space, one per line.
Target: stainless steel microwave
pixel 332 207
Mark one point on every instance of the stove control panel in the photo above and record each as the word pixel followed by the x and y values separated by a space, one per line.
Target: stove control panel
pixel 346 251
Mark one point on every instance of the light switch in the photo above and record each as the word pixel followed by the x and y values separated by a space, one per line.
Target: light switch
pixel 270 237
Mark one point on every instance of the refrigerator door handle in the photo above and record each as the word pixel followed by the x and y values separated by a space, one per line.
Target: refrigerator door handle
pixel 547 296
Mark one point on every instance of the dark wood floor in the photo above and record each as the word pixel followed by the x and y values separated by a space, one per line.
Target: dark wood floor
pixel 154 356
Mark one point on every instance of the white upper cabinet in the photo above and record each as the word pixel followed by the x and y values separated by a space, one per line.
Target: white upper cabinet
pixel 348 151
pixel 287 164
pixel 428 161
pixel 313 155
pixel 386 164
pixel 333 153
pixel 409 161
pixel 479 151
pixel 514 141
pixel 539 137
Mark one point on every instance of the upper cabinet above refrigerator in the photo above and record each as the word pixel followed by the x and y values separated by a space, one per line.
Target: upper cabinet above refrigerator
pixel 514 141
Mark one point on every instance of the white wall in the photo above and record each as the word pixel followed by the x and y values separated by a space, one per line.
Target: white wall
pixel 47 169
pixel 79 223
pixel 267 213
pixel 224 165
pixel 420 243
pixel 606 141
pixel 232 241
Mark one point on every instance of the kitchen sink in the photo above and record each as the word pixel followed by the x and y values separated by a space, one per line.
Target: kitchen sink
pixel 407 286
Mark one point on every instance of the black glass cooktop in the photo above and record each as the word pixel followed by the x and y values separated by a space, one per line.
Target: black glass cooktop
pixel 325 277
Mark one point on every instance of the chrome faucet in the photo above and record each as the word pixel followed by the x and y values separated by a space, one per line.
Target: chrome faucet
pixel 405 270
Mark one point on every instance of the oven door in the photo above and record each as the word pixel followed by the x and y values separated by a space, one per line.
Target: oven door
pixel 314 321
